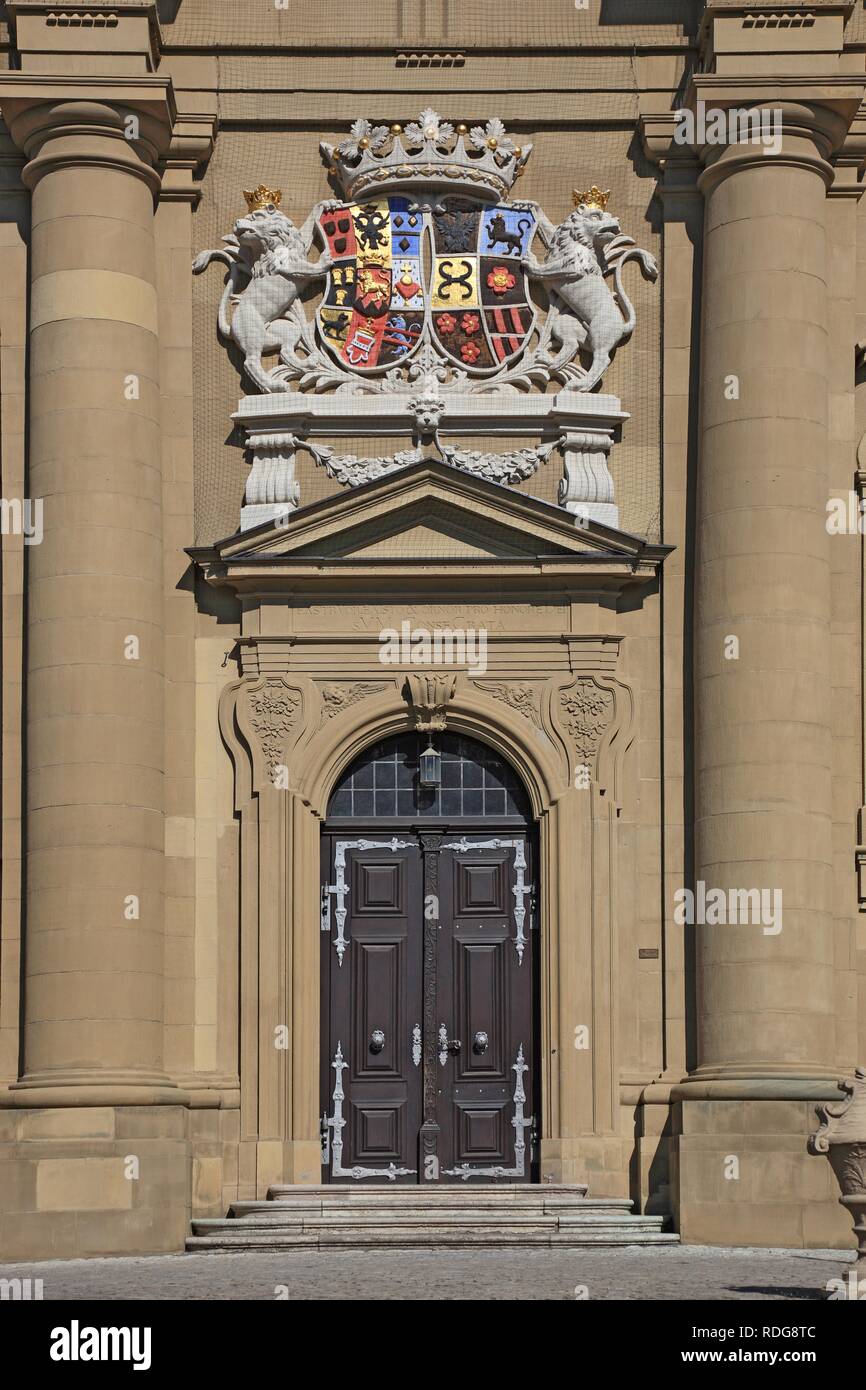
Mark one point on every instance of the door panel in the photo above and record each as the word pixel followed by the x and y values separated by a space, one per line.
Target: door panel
pixel 485 994
pixel 383 956
pixel 372 1002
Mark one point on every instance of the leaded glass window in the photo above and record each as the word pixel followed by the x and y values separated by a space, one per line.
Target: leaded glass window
pixel 383 783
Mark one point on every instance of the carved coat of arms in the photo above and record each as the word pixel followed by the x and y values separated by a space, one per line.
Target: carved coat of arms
pixel 426 258
pixel 403 273
pixel 436 284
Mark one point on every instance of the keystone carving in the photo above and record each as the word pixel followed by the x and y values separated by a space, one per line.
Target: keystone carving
pixel 428 698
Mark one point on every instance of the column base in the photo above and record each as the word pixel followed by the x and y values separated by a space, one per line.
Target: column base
pixel 92 1087
pixel 741 1174
pixel 101 1180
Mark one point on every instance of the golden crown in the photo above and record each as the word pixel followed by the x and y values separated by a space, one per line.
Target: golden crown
pixel 263 197
pixel 594 198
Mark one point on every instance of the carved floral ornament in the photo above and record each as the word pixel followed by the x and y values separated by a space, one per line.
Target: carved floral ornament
pixel 275 711
pixel 587 711
pixel 425 263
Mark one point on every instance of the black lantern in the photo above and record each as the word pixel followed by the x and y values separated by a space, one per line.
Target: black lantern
pixel 430 765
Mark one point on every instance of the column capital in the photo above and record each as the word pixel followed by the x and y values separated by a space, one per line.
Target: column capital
pixel 732 123
pixel 122 123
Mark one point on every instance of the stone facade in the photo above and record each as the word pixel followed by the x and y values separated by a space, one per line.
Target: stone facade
pixel 675 643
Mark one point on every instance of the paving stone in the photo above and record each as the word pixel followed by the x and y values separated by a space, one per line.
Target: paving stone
pixel 632 1273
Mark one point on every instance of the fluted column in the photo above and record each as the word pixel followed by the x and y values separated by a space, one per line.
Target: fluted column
pixel 95 723
pixel 763 703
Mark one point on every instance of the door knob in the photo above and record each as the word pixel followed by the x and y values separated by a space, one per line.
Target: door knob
pixel 377 1040
pixel 480 1042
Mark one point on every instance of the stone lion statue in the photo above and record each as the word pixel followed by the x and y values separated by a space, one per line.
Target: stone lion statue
pixel 266 255
pixel 584 312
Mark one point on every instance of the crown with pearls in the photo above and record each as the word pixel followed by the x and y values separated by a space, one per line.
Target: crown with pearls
pixel 482 159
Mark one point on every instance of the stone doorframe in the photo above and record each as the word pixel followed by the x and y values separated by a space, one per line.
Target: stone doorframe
pixel 290 738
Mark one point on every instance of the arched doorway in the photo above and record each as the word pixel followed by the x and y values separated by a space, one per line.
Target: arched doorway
pixel 429 967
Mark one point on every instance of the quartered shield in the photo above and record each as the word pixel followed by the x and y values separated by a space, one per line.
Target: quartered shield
pixel 482 315
pixel 372 313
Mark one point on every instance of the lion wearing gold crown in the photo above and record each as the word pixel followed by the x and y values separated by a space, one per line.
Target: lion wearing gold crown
pixel 266 255
pixel 584 314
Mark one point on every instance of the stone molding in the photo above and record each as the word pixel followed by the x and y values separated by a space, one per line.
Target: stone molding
pixel 584 428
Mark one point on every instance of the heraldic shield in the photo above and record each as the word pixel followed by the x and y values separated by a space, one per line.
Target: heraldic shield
pixel 482 313
pixel 373 311
pixel 402 273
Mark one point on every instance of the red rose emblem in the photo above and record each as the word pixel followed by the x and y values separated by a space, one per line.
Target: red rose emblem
pixel 469 323
pixel 500 280
pixel 447 323
pixel 470 352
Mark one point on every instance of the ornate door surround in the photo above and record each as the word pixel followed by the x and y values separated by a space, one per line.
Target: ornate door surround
pixel 263 722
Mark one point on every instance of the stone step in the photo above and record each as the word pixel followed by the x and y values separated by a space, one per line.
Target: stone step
pixel 387 1202
pixel 504 1192
pixel 481 1215
pixel 427 1220
pixel 365 1238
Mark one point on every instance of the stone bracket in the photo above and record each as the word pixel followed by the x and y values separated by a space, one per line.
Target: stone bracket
pixel 583 427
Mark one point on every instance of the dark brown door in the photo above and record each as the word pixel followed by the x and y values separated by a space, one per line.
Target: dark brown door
pixel 485 988
pixel 371 903
pixel 429 972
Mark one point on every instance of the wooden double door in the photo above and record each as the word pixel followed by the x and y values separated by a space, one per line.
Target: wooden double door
pixel 428 1005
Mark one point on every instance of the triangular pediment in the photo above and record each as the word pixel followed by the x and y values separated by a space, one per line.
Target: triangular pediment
pixel 426 512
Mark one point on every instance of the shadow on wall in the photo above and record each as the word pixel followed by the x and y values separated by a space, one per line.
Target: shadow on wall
pixel 685 12
pixel 167 10
pixel 651 1184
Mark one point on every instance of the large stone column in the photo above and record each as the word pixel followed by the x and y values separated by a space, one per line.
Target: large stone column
pixel 95 699
pixel 763 702
pixel 763 707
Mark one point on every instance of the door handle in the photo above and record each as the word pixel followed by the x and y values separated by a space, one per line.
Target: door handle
pixel 480 1042
pixel 377 1040
pixel 446 1045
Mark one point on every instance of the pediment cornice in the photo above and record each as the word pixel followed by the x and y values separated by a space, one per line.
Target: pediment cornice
pixel 498 536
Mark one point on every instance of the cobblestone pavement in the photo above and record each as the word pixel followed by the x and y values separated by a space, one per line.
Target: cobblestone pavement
pixel 690 1272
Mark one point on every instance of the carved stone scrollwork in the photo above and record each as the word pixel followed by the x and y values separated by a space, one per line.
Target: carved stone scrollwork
pixel 586 490
pixel 518 695
pixel 841 1136
pixel 587 710
pixel 275 711
pixel 272 489
pixel 336 698
pixel 428 698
